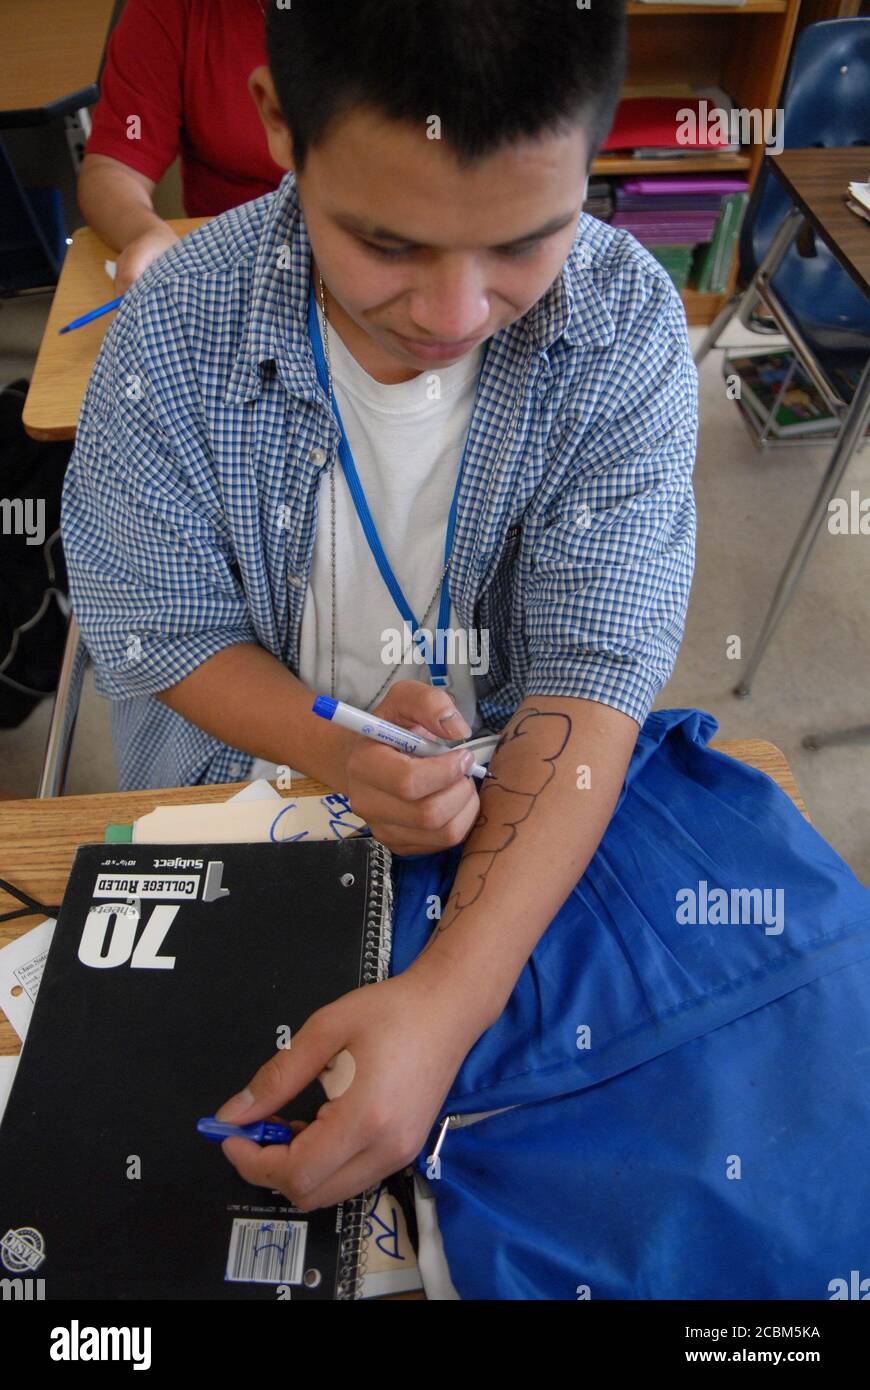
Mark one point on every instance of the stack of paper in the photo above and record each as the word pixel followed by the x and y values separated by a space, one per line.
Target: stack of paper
pixel 860 199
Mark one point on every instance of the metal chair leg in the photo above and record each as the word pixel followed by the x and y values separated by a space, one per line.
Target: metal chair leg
pixel 720 322
pixel 851 434
pixel 747 299
pixel 63 716
pixel 785 235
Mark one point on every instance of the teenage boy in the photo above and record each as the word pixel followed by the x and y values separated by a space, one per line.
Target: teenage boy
pixel 426 260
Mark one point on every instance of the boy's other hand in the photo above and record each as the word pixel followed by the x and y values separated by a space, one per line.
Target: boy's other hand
pixel 138 255
pixel 408 1037
pixel 414 805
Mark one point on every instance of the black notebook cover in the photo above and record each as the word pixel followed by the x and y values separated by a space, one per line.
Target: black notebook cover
pixel 151 1013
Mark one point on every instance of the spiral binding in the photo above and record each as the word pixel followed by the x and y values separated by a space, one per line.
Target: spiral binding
pixel 353 1254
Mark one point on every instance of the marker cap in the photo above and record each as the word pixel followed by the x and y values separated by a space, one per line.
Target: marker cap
pixel 325 706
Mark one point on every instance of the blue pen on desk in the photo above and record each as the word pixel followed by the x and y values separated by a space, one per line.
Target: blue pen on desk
pixel 263 1132
pixel 383 732
pixel 94 314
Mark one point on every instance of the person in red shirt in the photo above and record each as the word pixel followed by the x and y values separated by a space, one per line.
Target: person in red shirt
pixel 175 82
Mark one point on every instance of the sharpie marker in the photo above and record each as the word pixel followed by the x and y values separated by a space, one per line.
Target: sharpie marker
pixel 263 1132
pixel 94 314
pixel 383 732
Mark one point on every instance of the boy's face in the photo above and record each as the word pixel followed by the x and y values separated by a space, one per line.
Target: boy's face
pixel 424 260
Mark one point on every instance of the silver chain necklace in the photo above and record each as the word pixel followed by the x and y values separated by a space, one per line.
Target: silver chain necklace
pixel 520 396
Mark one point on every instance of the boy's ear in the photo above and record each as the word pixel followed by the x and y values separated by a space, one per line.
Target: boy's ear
pixel 262 89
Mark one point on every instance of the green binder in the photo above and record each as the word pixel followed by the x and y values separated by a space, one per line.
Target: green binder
pixel 715 264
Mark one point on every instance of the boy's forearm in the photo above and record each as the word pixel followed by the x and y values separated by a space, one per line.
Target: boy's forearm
pixel 558 771
pixel 116 200
pixel 249 700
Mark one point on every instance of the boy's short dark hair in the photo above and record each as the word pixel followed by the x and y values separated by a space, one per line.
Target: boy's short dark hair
pixel 493 71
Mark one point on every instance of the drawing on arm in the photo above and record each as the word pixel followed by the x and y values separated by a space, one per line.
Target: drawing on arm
pixel 507 800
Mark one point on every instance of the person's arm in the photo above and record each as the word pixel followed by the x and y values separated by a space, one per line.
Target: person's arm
pixel 246 698
pixel 135 134
pixel 116 201
pixel 249 700
pixel 558 770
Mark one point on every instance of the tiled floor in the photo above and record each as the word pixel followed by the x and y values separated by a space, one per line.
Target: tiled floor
pixel 750 504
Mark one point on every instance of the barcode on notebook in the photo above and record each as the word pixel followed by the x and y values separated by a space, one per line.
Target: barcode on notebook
pixel 266 1252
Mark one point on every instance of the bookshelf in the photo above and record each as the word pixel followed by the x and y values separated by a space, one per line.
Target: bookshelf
pixel 743 49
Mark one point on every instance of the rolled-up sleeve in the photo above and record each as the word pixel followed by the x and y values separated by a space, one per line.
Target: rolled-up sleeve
pixel 149 561
pixel 612 566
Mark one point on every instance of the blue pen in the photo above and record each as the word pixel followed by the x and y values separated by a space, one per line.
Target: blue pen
pixel 263 1132
pixel 94 314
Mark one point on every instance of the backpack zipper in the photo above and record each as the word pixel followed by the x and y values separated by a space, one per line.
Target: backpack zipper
pixel 460 1122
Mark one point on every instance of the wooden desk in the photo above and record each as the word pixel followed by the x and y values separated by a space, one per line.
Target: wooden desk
pixel 52 53
pixel 38 839
pixel 64 364
pixel 818 182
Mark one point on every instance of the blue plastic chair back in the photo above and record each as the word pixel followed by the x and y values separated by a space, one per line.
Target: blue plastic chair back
pixel 826 100
pixel 32 232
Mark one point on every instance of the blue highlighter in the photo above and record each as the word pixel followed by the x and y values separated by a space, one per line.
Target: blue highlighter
pixel 263 1132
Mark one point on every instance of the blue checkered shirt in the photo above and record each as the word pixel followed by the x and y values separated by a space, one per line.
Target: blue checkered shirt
pixel 189 502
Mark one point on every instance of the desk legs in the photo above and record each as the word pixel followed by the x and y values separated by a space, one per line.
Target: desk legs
pixel 851 433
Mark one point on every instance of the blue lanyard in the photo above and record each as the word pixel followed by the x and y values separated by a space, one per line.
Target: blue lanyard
pixel 437 668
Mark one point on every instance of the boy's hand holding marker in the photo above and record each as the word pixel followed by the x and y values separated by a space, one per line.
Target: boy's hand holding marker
pixel 414 805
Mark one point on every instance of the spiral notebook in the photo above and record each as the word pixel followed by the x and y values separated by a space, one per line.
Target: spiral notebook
pixel 174 972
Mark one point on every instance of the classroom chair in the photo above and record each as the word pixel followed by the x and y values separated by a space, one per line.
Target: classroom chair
pixel 825 104
pixel 32 233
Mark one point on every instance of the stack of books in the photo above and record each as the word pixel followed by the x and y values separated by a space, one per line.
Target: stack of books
pixel 686 221
pixel 802 410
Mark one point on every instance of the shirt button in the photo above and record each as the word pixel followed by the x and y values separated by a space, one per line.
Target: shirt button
pixel 235 769
pixel 295 581
pixel 318 456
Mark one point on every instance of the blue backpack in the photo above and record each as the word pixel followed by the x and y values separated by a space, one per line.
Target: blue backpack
pixel 675 1102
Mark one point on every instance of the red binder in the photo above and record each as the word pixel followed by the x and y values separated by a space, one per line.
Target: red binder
pixel 648 121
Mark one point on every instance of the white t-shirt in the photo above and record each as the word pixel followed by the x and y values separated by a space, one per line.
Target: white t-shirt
pixel 407 441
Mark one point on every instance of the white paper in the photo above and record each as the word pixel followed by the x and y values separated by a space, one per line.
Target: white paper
pixel 261 790
pixel 861 192
pixel 390 1264
pixel 111 267
pixel 21 965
